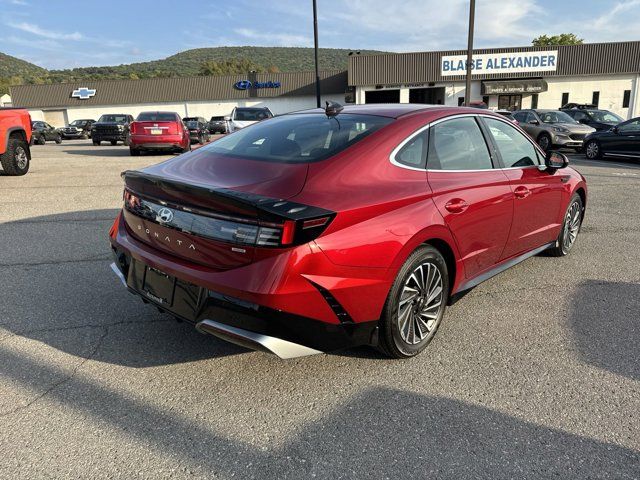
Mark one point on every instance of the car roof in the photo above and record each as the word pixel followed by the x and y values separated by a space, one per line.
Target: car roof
pixel 395 110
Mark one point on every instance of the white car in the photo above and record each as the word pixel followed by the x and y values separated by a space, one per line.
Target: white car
pixel 244 116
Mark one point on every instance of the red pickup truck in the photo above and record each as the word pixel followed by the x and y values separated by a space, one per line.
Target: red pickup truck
pixel 15 136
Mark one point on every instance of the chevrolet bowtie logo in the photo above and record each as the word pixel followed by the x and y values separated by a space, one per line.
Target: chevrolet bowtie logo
pixel 83 93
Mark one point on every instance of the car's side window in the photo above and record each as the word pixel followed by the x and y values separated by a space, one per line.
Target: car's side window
pixel 514 148
pixel 520 116
pixel 414 152
pixel 458 144
pixel 632 126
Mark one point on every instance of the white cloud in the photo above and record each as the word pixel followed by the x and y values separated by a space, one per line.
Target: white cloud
pixel 41 32
pixel 274 39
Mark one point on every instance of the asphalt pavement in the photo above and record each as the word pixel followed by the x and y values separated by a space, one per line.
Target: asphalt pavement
pixel 534 374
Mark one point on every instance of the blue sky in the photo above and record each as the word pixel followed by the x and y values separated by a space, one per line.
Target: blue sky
pixel 65 34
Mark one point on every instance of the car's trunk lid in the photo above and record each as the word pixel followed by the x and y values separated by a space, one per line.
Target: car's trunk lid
pixel 201 192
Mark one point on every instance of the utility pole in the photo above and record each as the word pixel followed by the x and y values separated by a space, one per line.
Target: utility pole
pixel 467 91
pixel 315 48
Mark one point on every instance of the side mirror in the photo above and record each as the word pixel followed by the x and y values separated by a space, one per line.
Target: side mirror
pixel 615 129
pixel 556 160
pixel 534 122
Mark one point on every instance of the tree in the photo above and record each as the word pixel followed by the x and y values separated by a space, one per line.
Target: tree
pixel 553 40
pixel 230 67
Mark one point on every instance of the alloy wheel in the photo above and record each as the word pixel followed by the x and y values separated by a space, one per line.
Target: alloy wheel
pixel 571 226
pixel 421 302
pixel 592 150
pixel 22 160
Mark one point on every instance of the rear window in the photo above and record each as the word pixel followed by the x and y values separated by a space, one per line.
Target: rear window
pixel 298 138
pixel 217 119
pixel 251 114
pixel 157 117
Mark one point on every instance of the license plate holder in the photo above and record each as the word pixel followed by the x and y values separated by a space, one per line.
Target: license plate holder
pixel 158 286
pixel 156 131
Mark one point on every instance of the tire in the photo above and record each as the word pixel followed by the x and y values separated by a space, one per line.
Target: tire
pixel 544 141
pixel 58 139
pixel 570 228
pixel 41 140
pixel 96 142
pixel 15 160
pixel 126 142
pixel 201 140
pixel 187 148
pixel 114 142
pixel 592 150
pixel 134 152
pixel 404 332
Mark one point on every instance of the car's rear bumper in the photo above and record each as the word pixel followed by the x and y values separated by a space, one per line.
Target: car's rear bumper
pixel 155 142
pixel 248 324
pixel 270 298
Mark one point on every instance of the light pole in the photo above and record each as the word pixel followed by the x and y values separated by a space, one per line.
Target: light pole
pixel 467 91
pixel 315 52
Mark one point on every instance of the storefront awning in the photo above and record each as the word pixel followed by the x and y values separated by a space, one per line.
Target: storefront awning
pixel 507 87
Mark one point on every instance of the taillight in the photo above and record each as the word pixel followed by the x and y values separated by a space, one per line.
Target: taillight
pixel 113 231
pixel 270 231
pixel 133 128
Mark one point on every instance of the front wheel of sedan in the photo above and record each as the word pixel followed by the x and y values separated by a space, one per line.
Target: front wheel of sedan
pixel 415 305
pixel 592 150
pixel 570 228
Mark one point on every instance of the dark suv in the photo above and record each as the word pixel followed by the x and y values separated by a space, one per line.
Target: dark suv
pixel 198 129
pixel 217 125
pixel 595 118
pixel 111 127
pixel 77 129
pixel 42 132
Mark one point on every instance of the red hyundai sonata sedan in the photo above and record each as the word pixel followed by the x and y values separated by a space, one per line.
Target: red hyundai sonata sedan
pixel 325 229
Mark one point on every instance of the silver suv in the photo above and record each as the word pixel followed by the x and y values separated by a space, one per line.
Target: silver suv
pixel 552 128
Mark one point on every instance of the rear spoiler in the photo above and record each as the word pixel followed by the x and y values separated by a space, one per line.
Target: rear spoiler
pixel 219 199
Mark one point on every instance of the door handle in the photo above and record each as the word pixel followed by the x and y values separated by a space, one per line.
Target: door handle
pixel 522 192
pixel 457 205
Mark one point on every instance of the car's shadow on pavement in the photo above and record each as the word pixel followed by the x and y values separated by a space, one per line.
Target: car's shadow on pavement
pixel 380 433
pixel 63 293
pixel 605 325
pixel 100 152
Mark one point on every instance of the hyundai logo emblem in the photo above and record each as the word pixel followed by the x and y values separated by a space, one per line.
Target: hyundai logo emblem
pixel 164 215
pixel 242 85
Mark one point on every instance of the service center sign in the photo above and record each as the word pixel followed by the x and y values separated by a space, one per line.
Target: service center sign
pixel 514 62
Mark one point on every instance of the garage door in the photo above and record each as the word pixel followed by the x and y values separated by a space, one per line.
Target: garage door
pixel 56 118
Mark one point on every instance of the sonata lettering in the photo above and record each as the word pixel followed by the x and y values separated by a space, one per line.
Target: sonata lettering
pixel 166 238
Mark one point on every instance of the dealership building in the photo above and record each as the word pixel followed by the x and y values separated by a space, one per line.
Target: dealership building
pixel 605 74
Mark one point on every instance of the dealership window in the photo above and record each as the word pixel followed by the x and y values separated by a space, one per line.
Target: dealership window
pixel 565 99
pixel 382 96
pixel 595 98
pixel 626 99
pixel 458 144
pixel 534 100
